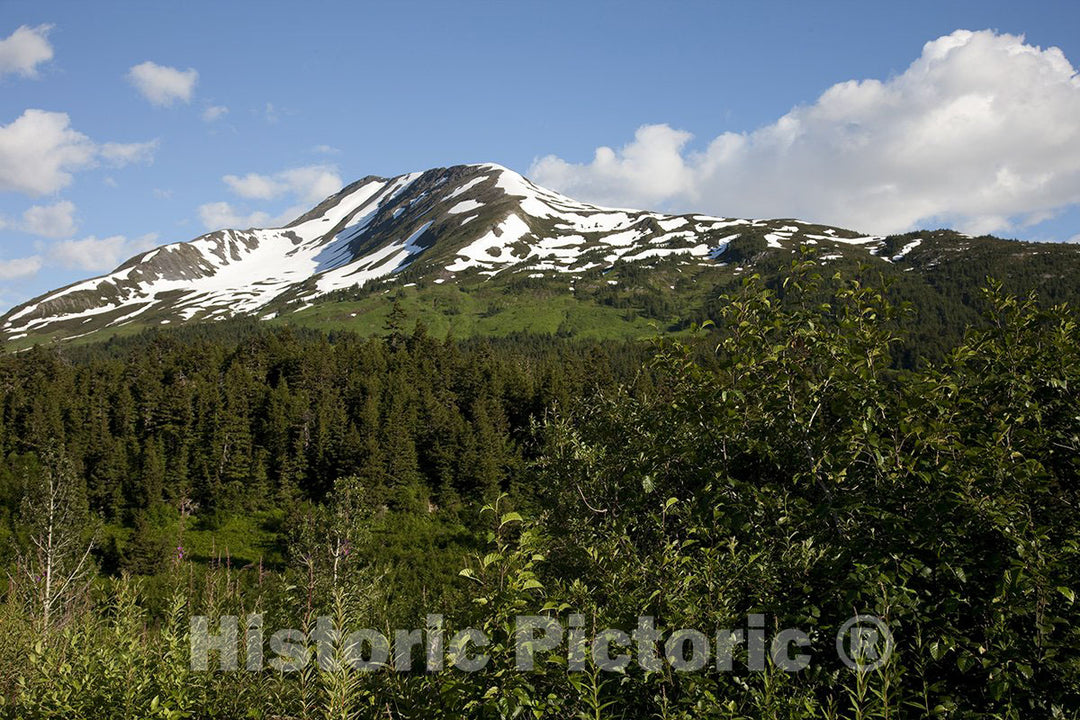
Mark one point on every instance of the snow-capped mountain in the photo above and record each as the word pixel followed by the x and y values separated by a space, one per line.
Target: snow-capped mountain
pixel 445 223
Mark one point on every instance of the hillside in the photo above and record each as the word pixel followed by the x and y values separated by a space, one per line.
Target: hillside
pixel 480 250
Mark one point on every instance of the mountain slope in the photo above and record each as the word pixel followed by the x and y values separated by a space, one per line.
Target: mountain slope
pixel 459 221
pixel 461 226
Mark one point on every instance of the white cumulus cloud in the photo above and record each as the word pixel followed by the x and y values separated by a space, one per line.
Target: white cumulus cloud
pixel 163 85
pixel 120 154
pixel 255 186
pixel 51 221
pixel 40 151
pixel 303 186
pixel 218 215
pixel 214 112
pixel 20 267
pixel 25 49
pixel 96 255
pixel 311 183
pixel 979 132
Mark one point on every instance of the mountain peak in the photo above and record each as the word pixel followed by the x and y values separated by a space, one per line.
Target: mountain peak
pixel 481 219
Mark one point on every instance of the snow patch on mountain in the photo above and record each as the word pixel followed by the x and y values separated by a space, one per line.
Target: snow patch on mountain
pixel 493 249
pixel 464 207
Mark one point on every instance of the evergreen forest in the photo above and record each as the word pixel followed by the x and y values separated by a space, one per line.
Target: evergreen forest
pixel 818 446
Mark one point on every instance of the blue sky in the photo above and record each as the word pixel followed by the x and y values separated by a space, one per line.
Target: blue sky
pixel 124 125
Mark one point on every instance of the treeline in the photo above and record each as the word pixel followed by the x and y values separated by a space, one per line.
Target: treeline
pixel 939 285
